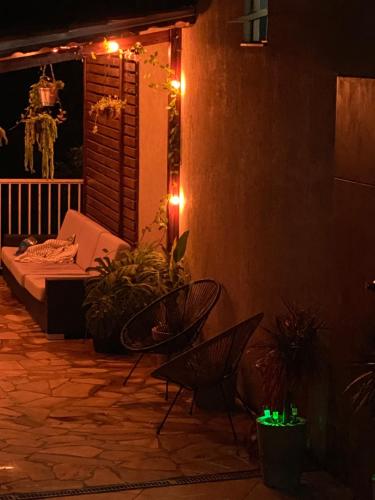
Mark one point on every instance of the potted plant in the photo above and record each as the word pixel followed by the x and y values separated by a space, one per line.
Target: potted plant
pixel 108 106
pixel 47 88
pixel 41 122
pixel 126 285
pixel 290 358
pixel 362 390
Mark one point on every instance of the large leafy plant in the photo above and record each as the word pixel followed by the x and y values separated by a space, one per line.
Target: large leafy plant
pixel 126 285
pixel 291 357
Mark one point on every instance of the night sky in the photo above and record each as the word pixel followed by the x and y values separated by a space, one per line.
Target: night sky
pixel 14 89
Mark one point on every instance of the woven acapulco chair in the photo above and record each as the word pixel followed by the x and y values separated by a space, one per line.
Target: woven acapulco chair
pixel 181 313
pixel 209 364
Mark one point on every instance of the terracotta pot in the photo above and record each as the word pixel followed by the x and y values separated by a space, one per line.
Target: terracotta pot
pixel 48 95
pixel 281 453
pixel 160 333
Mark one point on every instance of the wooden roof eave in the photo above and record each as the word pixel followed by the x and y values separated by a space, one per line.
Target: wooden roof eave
pixel 16 53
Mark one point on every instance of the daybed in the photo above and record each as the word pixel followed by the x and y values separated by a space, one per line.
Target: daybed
pixel 53 293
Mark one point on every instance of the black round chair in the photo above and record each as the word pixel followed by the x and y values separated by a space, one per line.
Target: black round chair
pixel 172 322
pixel 209 364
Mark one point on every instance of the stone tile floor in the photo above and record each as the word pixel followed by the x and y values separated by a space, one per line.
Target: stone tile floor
pixel 66 421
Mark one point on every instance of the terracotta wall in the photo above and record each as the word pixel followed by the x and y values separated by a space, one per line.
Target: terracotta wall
pixel 153 130
pixel 353 437
pixel 266 216
pixel 257 159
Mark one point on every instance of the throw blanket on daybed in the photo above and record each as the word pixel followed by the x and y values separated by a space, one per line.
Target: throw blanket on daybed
pixel 53 251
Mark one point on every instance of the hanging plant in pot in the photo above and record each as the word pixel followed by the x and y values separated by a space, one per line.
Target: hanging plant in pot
pixel 48 88
pixel 291 358
pixel 107 106
pixel 41 119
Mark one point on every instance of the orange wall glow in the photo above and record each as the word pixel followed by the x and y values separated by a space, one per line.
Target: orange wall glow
pixel 183 83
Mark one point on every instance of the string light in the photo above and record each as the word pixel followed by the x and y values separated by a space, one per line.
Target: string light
pixel 174 200
pixel 176 84
pixel 111 46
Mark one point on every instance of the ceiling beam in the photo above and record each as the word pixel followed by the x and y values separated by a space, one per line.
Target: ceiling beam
pixel 86 33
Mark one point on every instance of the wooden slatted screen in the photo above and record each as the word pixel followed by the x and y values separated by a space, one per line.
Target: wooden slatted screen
pixel 111 154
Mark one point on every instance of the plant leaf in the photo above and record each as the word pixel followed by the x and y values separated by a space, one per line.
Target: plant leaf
pixel 180 248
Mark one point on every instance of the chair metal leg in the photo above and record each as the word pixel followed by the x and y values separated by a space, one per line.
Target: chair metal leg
pixel 249 410
pixel 132 369
pixel 166 390
pixel 228 411
pixel 169 410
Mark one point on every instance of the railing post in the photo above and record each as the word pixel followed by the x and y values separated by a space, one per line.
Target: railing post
pixel 37 200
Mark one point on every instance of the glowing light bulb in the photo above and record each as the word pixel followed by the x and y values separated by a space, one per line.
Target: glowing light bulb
pixel 174 199
pixel 176 84
pixel 111 46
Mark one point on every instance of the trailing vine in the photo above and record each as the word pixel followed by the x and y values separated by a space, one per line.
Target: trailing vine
pixel 109 106
pixel 41 126
pixel 113 104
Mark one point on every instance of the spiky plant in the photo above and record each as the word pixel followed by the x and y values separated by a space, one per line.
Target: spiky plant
pixel 291 356
pixel 362 388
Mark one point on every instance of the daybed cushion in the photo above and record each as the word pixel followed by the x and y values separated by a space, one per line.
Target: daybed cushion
pixel 36 285
pixel 21 269
pixel 86 232
pixel 109 242
pixel 92 239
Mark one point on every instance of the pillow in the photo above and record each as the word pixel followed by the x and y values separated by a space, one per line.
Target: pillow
pixel 26 243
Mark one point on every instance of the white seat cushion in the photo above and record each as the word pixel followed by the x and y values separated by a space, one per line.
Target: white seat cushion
pixel 110 242
pixel 36 285
pixel 86 232
pixel 21 269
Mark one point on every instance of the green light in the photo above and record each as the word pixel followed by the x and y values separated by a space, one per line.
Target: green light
pixel 279 423
pixel 275 416
pixel 267 413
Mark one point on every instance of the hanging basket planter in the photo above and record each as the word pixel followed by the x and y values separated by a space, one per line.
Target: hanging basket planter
pixel 48 88
pixel 48 94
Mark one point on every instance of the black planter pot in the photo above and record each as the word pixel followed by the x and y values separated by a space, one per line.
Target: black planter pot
pixel 281 452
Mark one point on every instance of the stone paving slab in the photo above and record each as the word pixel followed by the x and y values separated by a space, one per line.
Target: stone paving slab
pixel 66 421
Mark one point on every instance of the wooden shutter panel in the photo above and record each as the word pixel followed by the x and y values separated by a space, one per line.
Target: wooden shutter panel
pixel 111 155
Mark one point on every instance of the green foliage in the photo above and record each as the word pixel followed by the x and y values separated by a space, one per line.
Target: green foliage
pixel 41 127
pixel 123 287
pixel 291 356
pixel 109 106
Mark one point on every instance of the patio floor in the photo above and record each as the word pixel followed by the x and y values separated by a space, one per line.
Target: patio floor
pixel 66 422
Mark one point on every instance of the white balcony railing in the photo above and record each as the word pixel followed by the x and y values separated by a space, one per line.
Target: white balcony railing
pixel 37 206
